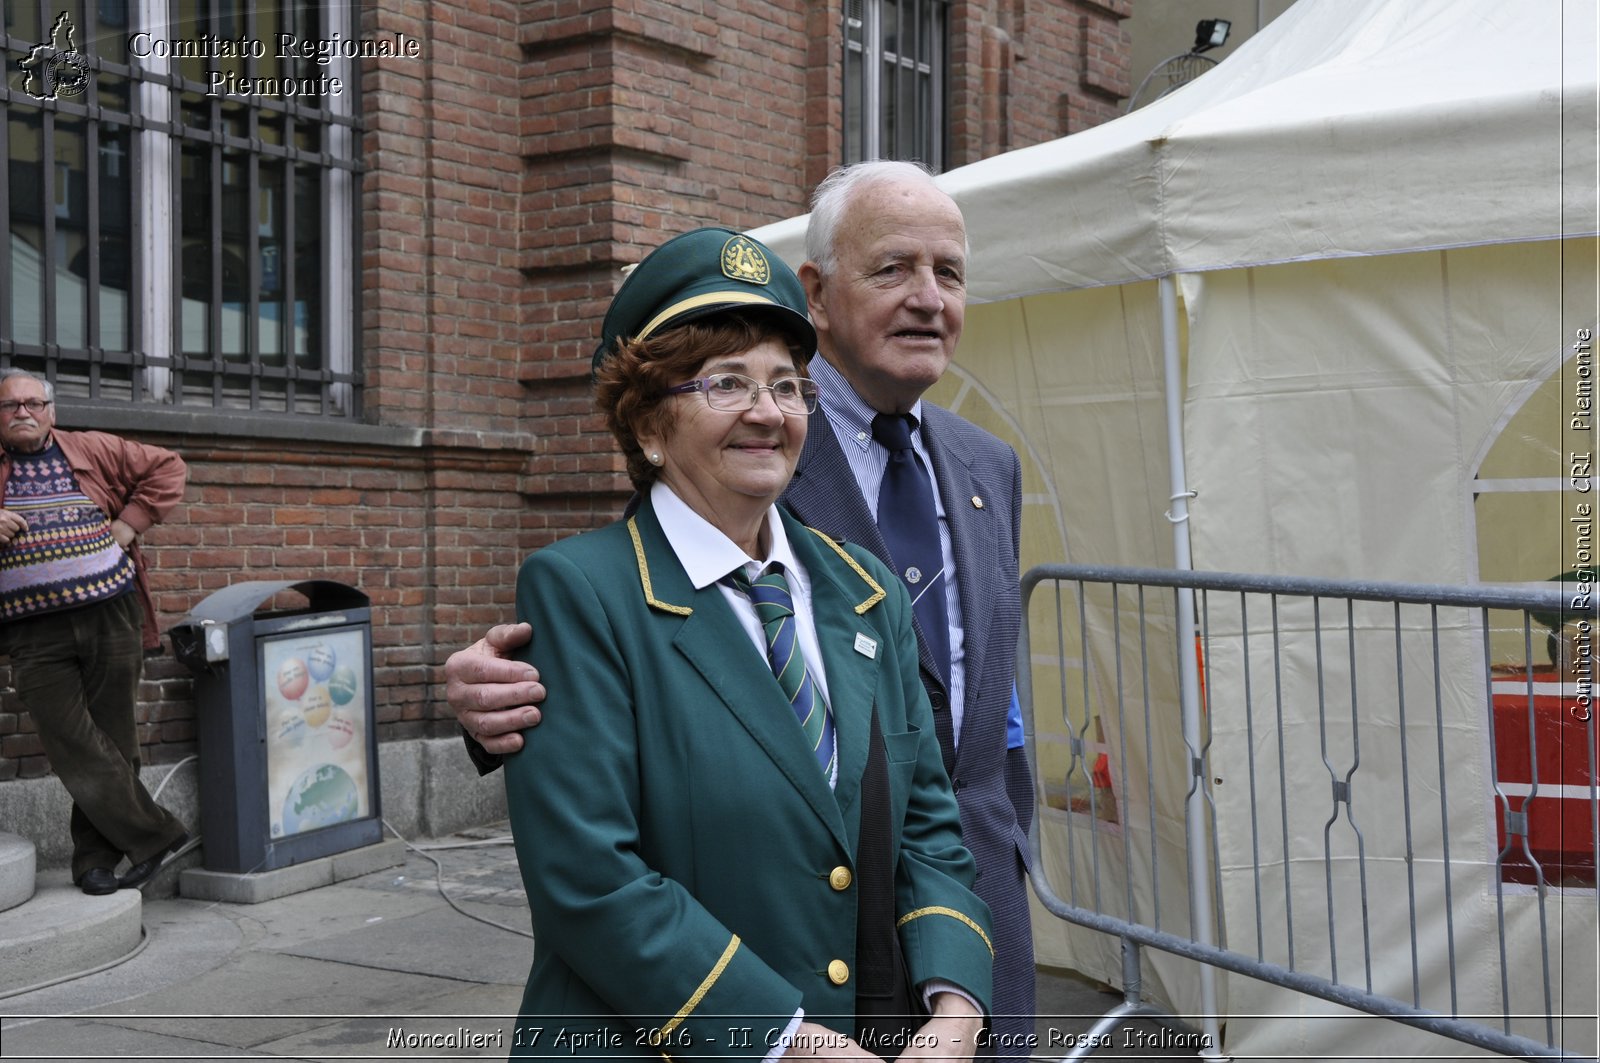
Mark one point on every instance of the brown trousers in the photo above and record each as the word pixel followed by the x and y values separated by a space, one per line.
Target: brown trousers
pixel 77 673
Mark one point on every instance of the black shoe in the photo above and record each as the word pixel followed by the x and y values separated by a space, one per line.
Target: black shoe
pixel 97 882
pixel 145 870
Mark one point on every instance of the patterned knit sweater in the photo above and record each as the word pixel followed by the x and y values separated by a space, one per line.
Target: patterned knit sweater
pixel 67 557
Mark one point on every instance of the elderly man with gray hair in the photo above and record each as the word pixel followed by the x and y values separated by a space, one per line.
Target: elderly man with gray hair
pixel 76 618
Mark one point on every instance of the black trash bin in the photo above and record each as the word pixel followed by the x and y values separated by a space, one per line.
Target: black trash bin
pixel 288 750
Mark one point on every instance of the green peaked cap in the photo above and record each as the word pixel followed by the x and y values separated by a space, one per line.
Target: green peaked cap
pixel 706 271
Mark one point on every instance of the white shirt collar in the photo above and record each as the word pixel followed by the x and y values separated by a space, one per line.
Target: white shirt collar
pixel 704 551
pixel 845 409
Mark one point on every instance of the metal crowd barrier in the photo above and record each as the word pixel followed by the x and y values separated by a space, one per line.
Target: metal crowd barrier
pixel 1343 774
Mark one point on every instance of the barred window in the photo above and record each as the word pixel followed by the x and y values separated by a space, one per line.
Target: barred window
pixel 894 80
pixel 180 204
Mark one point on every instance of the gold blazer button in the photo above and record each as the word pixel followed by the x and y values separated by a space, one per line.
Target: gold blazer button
pixel 839 878
pixel 838 972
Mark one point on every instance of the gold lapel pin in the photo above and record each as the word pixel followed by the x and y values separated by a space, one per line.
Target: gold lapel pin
pixel 977 502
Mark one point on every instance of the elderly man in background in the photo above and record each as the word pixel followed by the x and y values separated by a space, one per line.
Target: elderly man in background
pixel 76 618
pixel 930 493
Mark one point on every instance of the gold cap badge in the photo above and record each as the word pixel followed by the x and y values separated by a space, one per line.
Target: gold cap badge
pixel 742 260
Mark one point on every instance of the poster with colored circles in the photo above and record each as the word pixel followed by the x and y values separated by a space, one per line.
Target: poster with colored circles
pixel 316 702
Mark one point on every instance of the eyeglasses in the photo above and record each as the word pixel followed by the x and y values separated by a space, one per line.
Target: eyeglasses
pixel 11 406
pixel 736 393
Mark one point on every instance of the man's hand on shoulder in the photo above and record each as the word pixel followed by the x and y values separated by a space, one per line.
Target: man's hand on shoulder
pixel 494 698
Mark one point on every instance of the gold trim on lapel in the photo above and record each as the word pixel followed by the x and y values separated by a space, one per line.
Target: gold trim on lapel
pixel 700 992
pixel 877 589
pixel 644 575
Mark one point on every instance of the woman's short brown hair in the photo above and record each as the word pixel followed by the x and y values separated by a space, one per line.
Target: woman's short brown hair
pixel 630 385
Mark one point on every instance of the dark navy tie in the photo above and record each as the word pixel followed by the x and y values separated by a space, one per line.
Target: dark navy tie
pixel 910 526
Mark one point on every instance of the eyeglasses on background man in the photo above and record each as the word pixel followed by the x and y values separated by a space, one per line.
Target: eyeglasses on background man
pixel 11 406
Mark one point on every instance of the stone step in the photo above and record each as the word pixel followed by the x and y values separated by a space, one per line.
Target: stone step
pixel 17 866
pixel 62 931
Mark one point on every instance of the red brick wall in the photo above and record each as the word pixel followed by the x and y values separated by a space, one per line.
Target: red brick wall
pixel 639 121
pixel 534 149
pixel 1027 71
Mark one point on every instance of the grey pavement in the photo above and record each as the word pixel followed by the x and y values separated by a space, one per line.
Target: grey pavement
pixel 376 967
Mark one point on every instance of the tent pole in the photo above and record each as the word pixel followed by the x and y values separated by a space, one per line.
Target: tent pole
pixel 1201 905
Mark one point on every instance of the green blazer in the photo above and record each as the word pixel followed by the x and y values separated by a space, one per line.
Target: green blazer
pixel 690 872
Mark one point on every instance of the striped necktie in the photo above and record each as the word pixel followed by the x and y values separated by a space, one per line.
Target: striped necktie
pixel 775 609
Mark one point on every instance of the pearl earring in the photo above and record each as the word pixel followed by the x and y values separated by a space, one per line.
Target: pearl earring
pixel 655 458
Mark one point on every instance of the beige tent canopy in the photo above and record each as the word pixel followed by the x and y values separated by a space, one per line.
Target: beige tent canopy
pixel 1374 228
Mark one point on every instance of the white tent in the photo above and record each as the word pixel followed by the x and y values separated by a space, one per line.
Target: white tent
pixel 1376 222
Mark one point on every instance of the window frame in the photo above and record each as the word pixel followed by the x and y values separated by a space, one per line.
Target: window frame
pixel 865 51
pixel 151 357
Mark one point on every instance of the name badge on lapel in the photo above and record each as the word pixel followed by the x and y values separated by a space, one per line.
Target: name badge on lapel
pixel 868 648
